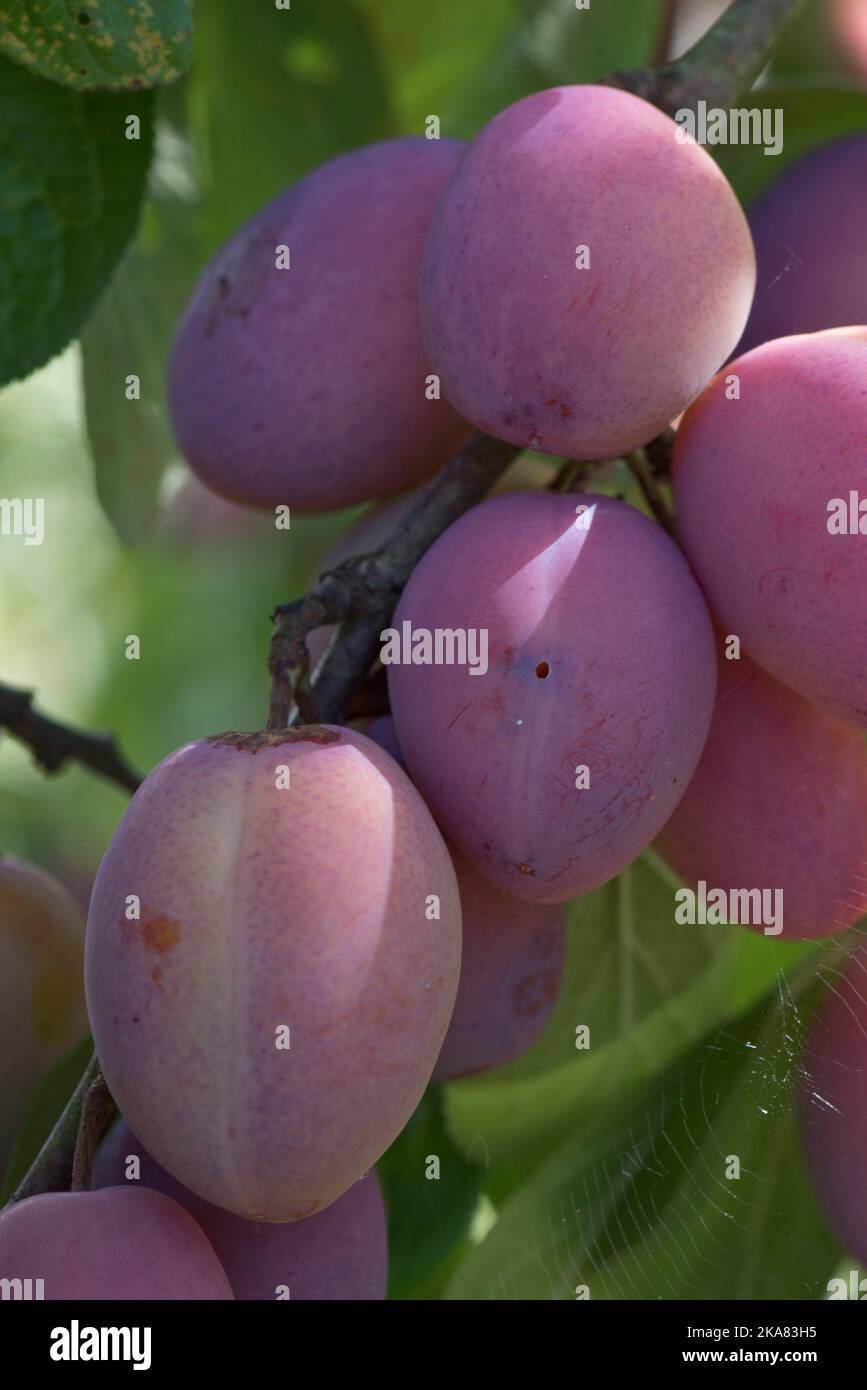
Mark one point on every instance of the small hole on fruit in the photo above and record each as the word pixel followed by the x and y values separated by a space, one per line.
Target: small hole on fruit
pixel 542 671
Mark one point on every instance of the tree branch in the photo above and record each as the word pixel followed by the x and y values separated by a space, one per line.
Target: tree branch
pixel 361 593
pixel 719 68
pixel 53 745
pixel 97 1110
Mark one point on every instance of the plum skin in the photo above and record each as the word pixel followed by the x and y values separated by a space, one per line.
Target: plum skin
pixel 833 1110
pixel 583 363
pixel 779 800
pixel 42 1012
pixel 115 1244
pixel 611 615
pixel 810 234
pixel 752 481
pixel 511 964
pixel 511 973
pixel 264 908
pixel 340 1253
pixel 307 386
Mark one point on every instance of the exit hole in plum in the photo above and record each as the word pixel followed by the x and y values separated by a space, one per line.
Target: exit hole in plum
pixel 542 671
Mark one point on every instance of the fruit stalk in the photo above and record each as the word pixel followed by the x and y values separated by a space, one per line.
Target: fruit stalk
pixel 723 63
pixel 53 1166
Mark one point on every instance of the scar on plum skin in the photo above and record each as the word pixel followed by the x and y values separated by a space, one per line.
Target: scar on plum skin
pixel 252 743
pixel 159 933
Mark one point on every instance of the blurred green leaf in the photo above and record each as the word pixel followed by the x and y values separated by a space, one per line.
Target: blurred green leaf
pixel 646 988
pixel 571 45
pixel 813 115
pixel 70 188
pixel 653 1209
pixel 273 93
pixel 130 334
pixel 428 1217
pixel 46 1108
pixel 99 43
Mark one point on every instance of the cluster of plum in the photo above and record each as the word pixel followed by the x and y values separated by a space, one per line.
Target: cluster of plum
pixel 291 933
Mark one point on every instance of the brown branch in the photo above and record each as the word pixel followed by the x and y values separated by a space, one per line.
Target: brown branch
pixel 719 68
pixel 97 1111
pixel 53 744
pixel 360 594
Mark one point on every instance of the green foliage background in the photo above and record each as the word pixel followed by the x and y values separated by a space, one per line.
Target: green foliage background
pixel 601 1168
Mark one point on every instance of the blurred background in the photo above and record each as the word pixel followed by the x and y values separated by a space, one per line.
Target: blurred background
pixel 134 547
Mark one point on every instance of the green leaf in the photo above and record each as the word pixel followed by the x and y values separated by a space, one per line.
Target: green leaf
pixel 647 989
pixel 654 1209
pixel 130 333
pixel 99 43
pixel 277 94
pixel 429 1218
pixel 46 1108
pixel 813 115
pixel 571 45
pixel 442 61
pixel 70 188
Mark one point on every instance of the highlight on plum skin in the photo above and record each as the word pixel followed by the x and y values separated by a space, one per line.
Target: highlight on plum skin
pixel 551 786
pixel 340 1253
pixel 267 1024
pixel 556 316
pixel 116 1244
pixel 42 1012
pixel 306 384
pixel 778 803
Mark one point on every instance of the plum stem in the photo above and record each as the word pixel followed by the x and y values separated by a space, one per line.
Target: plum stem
pixel 723 64
pixel 97 1111
pixel 52 1169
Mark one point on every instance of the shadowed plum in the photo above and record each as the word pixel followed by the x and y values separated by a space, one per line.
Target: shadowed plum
pixel 556 766
pixel 834 1104
pixel 117 1244
pixel 778 801
pixel 538 346
pixel 307 385
pixel 341 1253
pixel 810 232
pixel 42 1013
pixel 270 1008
